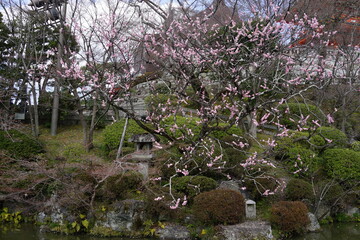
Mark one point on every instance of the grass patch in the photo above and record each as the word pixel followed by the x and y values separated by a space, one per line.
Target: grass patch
pixel 68 144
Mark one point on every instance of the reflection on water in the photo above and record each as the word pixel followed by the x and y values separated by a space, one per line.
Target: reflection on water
pixel 336 231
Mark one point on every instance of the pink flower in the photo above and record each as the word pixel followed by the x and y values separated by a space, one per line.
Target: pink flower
pixel 176 204
pixel 329 118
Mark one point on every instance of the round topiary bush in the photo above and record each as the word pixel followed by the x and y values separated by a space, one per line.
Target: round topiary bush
pixel 298 189
pixel 284 144
pixel 342 163
pixel 355 146
pixel 329 135
pixel 220 206
pixel 289 217
pixel 112 134
pixel 302 161
pixel 193 185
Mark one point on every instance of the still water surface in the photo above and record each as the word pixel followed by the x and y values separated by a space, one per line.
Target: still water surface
pixel 337 231
pixel 31 232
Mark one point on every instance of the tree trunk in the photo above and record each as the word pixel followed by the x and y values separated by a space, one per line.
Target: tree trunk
pixel 89 143
pixel 343 115
pixel 55 109
pixel 35 111
pixel 252 127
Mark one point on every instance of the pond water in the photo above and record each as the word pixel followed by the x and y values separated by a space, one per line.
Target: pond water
pixel 31 232
pixel 337 231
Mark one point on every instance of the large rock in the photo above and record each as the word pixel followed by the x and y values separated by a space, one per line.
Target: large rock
pixel 314 225
pixel 323 209
pixel 124 215
pixel 247 231
pixel 173 232
pixel 232 185
pixel 350 211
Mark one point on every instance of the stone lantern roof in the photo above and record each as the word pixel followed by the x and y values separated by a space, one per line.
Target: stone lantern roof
pixel 142 138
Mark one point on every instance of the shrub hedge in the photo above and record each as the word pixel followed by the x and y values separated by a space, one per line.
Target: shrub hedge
pixel 289 217
pixel 220 206
pixel 298 189
pixel 325 135
pixel 112 134
pixel 193 185
pixel 342 163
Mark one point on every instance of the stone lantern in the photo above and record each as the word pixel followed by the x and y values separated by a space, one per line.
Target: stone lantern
pixel 250 209
pixel 144 144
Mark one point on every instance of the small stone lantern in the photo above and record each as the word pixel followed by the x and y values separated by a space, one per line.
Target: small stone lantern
pixel 250 209
pixel 144 144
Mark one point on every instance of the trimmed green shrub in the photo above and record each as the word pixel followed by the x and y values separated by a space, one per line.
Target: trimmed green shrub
pixel 296 110
pixel 289 217
pixel 326 135
pixel 298 189
pixel 193 185
pixel 220 206
pixel 18 144
pixel 356 146
pixel 281 150
pixel 342 163
pixel 303 159
pixel 112 134
pixel 192 123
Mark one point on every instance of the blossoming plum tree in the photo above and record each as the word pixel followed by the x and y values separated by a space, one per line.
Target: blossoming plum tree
pixel 222 76
pixel 235 74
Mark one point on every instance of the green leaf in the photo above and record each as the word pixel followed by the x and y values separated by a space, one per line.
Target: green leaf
pixel 77 227
pixel 74 224
pixel 82 216
pixel 85 223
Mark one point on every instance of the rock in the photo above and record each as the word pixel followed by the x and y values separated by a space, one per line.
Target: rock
pixel 124 216
pixel 173 232
pixel 58 215
pixel 322 209
pixel 247 231
pixel 41 217
pixel 314 225
pixel 232 185
pixel 350 211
